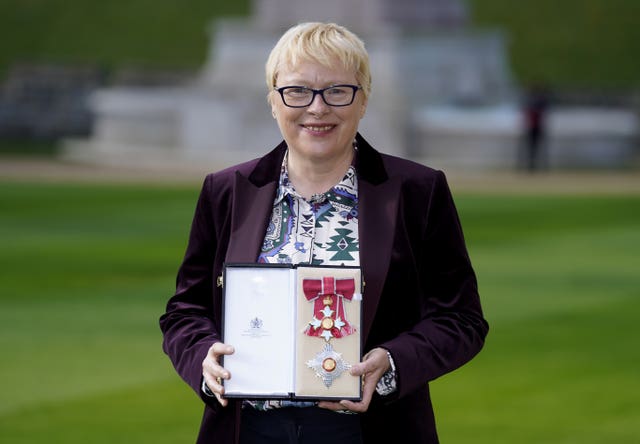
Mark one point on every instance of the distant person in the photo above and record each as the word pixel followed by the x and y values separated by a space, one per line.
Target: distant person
pixel 322 193
pixel 535 124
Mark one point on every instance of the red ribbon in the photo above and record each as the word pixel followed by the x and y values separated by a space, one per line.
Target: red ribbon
pixel 330 293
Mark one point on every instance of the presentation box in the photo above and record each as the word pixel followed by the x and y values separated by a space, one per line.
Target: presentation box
pixel 295 330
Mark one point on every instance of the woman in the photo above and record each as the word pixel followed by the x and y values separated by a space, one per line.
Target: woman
pixel 396 220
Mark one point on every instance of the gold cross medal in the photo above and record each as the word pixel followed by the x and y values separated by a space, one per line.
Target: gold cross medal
pixel 328 322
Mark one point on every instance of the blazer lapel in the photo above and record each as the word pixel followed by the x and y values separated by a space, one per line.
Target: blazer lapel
pixel 378 209
pixel 252 204
pixel 251 212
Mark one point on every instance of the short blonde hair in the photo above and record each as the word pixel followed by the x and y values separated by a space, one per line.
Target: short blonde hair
pixel 321 43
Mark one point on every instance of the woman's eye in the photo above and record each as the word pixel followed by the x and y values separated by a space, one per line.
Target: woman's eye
pixel 336 91
pixel 298 91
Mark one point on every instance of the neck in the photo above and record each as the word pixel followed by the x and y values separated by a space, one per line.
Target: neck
pixel 311 176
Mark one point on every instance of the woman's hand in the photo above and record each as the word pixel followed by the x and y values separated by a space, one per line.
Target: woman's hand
pixel 374 364
pixel 213 372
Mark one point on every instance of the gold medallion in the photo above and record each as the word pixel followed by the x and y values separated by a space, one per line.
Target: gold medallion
pixel 327 323
pixel 329 364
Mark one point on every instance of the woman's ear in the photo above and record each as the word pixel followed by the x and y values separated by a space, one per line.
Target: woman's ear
pixel 273 106
pixel 363 108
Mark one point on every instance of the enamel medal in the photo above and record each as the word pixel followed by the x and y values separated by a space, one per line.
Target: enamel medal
pixel 328 322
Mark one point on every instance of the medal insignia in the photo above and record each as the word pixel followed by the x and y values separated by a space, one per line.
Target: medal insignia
pixel 328 365
pixel 328 295
pixel 328 321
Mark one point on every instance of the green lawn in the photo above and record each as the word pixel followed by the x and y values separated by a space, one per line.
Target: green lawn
pixel 569 43
pixel 590 44
pixel 87 268
pixel 113 34
pixel 561 288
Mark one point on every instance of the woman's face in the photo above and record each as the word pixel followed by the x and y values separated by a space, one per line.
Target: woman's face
pixel 318 132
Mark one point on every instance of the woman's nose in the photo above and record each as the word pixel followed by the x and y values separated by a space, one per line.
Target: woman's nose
pixel 318 105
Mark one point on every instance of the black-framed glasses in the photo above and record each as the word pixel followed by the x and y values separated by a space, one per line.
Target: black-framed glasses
pixel 301 96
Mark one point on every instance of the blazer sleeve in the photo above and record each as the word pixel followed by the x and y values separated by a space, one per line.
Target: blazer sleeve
pixel 451 328
pixel 189 326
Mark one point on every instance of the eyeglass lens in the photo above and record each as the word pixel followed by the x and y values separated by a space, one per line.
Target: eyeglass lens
pixel 297 96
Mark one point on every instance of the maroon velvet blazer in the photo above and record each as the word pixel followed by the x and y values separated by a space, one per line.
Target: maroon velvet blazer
pixel 420 300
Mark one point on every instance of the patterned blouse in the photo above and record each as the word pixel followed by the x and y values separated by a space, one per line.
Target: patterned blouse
pixel 320 231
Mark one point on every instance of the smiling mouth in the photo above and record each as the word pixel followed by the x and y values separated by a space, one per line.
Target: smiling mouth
pixel 318 128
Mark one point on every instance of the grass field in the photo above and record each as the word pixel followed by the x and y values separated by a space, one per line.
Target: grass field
pixel 113 34
pixel 87 268
pixel 567 44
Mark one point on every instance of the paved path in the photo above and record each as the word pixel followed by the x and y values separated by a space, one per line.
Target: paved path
pixel 580 182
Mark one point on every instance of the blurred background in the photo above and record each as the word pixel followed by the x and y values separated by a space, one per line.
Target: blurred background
pixel 112 112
